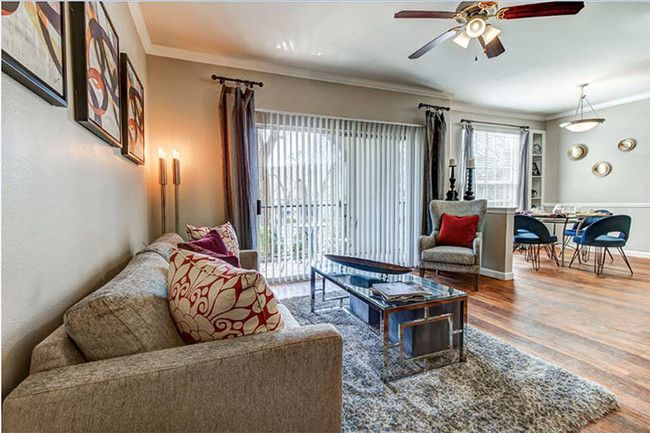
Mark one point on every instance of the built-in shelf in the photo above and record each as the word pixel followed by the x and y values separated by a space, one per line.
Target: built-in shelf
pixel 537 140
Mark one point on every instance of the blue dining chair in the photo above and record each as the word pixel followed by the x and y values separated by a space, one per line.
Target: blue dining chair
pixel 569 234
pixel 533 234
pixel 599 235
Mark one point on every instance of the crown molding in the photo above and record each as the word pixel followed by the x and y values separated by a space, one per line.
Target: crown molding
pixel 495 112
pixel 607 104
pixel 140 26
pixel 272 68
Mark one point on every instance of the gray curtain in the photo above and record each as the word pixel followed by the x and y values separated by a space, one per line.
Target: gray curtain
pixel 466 153
pixel 434 164
pixel 523 201
pixel 237 117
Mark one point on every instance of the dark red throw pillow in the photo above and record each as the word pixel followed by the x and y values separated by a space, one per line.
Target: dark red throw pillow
pixel 458 231
pixel 211 245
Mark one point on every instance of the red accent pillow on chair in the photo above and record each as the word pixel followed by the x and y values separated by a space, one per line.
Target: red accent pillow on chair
pixel 458 231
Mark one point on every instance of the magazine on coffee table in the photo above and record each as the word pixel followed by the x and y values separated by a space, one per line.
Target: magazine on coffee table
pixel 392 292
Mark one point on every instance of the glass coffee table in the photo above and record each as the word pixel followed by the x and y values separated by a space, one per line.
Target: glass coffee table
pixel 421 330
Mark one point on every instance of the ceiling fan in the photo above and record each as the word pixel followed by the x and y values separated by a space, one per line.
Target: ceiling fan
pixel 473 17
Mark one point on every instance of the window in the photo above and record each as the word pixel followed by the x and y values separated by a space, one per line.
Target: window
pixel 336 186
pixel 497 158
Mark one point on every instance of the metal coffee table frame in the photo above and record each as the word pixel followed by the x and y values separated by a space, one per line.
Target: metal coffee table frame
pixel 388 309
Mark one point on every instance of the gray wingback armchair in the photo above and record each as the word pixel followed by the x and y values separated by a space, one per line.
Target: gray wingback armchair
pixel 450 258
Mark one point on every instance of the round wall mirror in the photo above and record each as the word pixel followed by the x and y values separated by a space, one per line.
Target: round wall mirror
pixel 627 144
pixel 577 152
pixel 601 169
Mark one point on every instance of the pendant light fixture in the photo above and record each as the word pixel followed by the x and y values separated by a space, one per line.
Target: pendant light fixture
pixel 581 124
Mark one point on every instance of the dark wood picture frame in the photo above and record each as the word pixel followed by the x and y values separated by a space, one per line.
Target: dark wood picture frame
pixel 127 147
pixel 80 73
pixel 29 79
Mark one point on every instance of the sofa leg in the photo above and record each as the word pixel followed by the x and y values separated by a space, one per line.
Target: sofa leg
pixel 421 272
pixel 476 277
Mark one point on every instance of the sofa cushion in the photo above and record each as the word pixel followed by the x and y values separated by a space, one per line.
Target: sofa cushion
pixel 56 351
pixel 290 322
pixel 449 254
pixel 213 300
pixel 227 232
pixel 130 314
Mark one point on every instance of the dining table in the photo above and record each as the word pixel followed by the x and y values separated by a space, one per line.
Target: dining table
pixel 563 219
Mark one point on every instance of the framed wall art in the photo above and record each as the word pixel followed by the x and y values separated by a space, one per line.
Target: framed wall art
pixel 33 47
pixel 132 112
pixel 96 68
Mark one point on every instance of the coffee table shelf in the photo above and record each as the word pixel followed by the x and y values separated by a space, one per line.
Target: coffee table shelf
pixel 441 295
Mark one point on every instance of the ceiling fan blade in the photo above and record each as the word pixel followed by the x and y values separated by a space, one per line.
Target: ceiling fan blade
pixel 437 41
pixel 540 10
pixel 494 48
pixel 424 14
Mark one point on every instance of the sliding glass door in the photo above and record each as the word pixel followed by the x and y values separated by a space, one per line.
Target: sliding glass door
pixel 336 186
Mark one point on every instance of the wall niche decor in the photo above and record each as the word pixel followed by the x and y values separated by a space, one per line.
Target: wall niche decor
pixel 601 169
pixel 33 47
pixel 626 144
pixel 577 152
pixel 96 67
pixel 132 112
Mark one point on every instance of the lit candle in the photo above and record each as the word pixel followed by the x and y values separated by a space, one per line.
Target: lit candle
pixel 452 162
pixel 471 163
pixel 176 167
pixel 163 166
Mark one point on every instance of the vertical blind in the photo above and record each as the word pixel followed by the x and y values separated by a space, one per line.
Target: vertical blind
pixel 497 159
pixel 336 186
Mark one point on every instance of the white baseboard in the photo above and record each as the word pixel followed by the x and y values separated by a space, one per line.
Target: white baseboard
pixel 641 254
pixel 507 276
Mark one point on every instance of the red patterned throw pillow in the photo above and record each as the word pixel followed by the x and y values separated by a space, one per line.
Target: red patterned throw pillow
pixel 458 231
pixel 212 300
pixel 227 232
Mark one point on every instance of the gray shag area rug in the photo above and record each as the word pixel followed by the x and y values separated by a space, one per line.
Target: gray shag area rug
pixel 499 389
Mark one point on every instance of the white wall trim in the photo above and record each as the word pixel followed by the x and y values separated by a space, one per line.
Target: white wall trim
pixel 497 112
pixel 506 276
pixel 140 26
pixel 502 210
pixel 603 205
pixel 640 254
pixel 607 104
pixel 271 68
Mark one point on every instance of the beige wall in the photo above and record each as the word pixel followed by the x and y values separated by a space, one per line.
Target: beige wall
pixel 183 114
pixel 627 189
pixel 73 210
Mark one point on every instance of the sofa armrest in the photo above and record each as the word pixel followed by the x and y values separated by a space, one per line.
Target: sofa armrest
pixel 426 242
pixel 248 259
pixel 476 247
pixel 287 380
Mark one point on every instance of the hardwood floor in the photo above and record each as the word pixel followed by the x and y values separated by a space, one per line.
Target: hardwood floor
pixel 596 327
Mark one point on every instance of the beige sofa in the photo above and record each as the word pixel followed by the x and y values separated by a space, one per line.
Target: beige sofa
pixel 118 364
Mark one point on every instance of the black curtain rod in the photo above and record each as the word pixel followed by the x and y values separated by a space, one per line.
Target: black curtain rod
pixel 247 83
pixel 434 107
pixel 494 123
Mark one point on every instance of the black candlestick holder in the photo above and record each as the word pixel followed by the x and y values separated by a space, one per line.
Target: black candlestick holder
pixel 469 193
pixel 452 194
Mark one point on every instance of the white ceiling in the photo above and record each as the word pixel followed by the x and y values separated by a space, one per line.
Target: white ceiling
pixel 606 44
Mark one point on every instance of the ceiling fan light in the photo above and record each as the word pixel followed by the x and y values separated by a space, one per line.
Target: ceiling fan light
pixel 490 33
pixel 581 125
pixel 462 39
pixel 475 27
